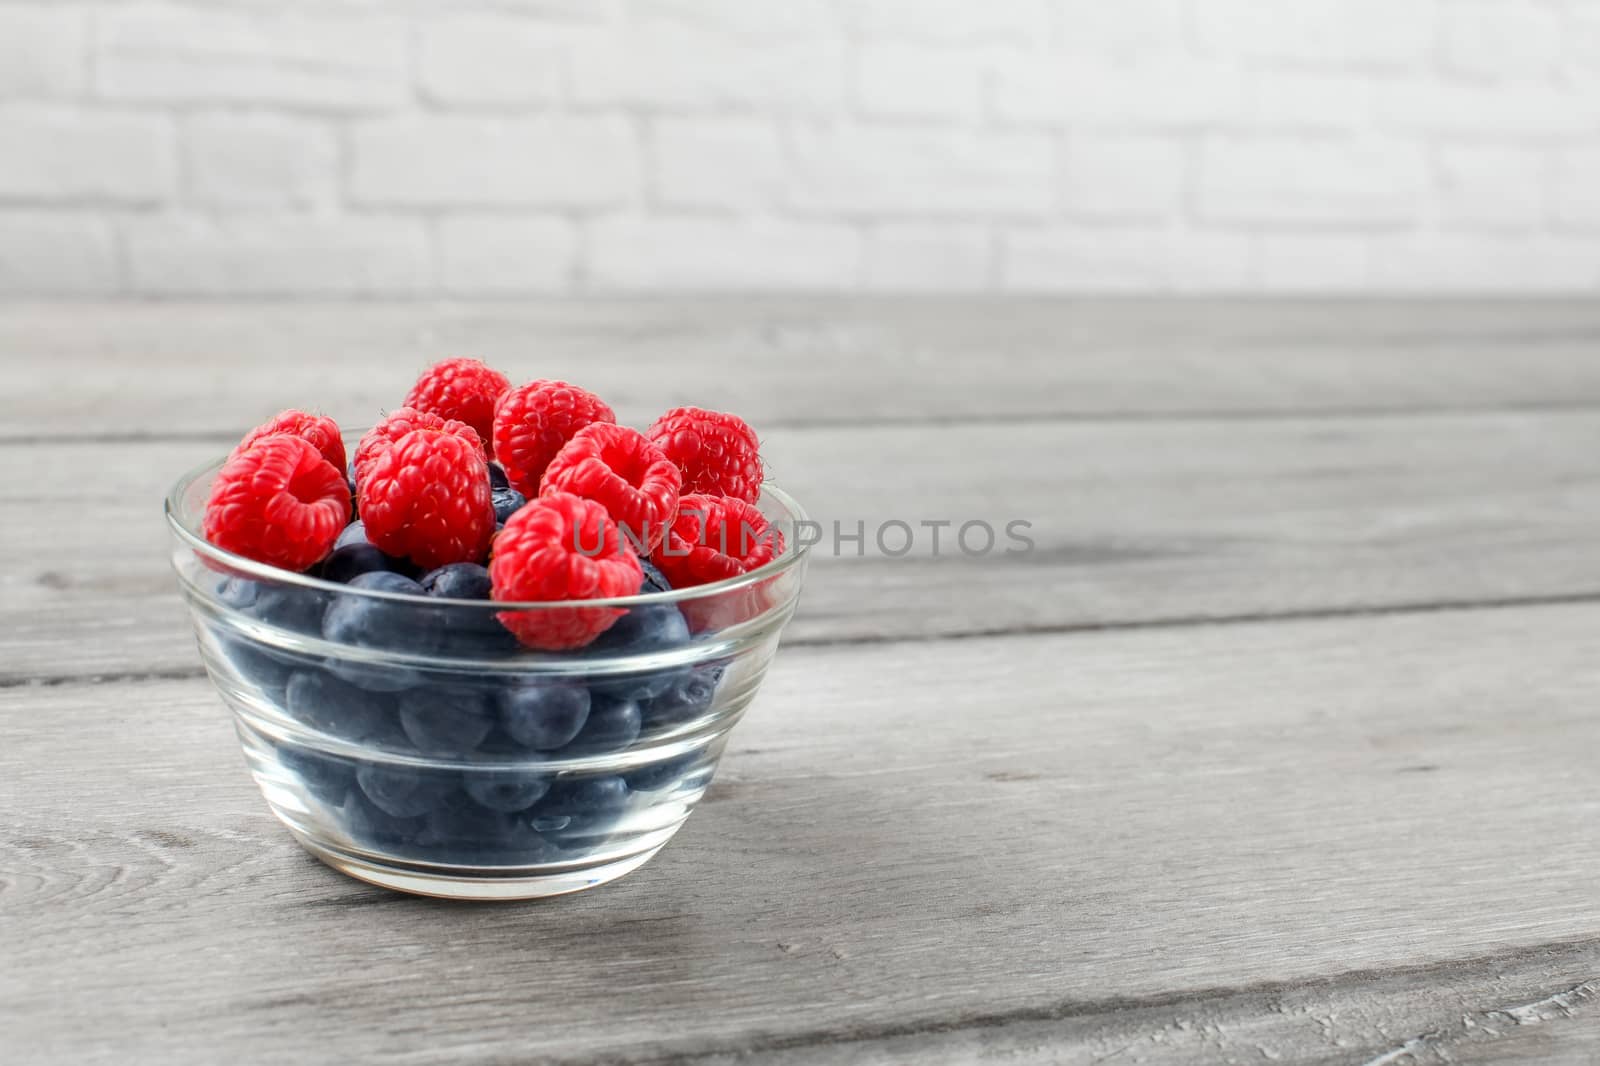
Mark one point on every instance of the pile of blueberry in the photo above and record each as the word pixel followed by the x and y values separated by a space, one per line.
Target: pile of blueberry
pixel 452 796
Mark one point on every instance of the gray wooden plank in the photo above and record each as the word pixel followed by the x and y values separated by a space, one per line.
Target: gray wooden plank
pixel 1134 523
pixel 904 839
pixel 209 368
pixel 1537 1006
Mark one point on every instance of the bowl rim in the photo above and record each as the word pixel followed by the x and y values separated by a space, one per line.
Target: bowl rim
pixel 794 552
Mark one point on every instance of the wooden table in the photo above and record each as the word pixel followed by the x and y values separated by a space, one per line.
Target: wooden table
pixel 1282 744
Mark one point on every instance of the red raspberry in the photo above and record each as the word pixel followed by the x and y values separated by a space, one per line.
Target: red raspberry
pixel 562 547
pixel 381 437
pixel 426 497
pixel 462 389
pixel 278 501
pixel 321 431
pixel 714 538
pixel 624 473
pixel 533 422
pixel 718 453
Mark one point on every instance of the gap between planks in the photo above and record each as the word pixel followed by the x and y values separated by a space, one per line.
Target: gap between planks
pixel 1134 416
pixel 1155 624
pixel 1256 999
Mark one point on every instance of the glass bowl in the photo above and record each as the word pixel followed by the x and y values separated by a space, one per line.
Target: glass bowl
pixel 412 742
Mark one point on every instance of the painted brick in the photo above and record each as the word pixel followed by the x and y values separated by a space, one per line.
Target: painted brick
pixel 73 156
pixel 491 60
pixel 1095 259
pixel 56 255
pixel 1284 100
pixel 911 256
pixel 1514 110
pixel 1458 262
pixel 897 81
pixel 764 22
pixel 895 172
pixel 261 160
pixel 497 254
pixel 1575 188
pixel 469 162
pixel 1122 177
pixel 1489 187
pixel 1101 92
pixel 1125 28
pixel 332 61
pixel 1333 33
pixel 1292 181
pixel 717 163
pixel 950 20
pixel 1311 262
pixel 673 67
pixel 41 53
pixel 277 256
pixel 671 253
pixel 1500 38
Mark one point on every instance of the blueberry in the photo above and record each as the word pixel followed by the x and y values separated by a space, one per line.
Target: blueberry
pixel 237 592
pixel 342 564
pixel 461 823
pixel 506 790
pixel 446 719
pixel 507 502
pixel 280 606
pixel 404 791
pixel 654 579
pixel 288 607
pixel 644 630
pixel 470 632
pixel 613 724
pixel 353 535
pixel 267 671
pixel 375 623
pixel 350 480
pixel 283 606
pixel 668 773
pixel 647 628
pixel 326 777
pixel 543 716
pixel 330 705
pixel 380 623
pixel 464 832
pixel 497 477
pixel 581 807
pixel 256 664
pixel 499 742
pixel 353 554
pixel 458 581
pixel 467 630
pixel 372 826
pixel 689 698
pixel 374 677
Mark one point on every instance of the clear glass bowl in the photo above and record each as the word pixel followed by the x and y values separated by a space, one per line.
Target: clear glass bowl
pixel 411 742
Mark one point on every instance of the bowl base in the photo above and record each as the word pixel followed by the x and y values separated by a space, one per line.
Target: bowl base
pixel 418 881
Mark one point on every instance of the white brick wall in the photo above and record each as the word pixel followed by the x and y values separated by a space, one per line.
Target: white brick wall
pixel 493 148
pixel 549 161
pixel 42 52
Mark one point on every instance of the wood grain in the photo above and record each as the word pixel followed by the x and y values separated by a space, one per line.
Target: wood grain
pixel 1203 839
pixel 1134 523
pixel 183 369
pixel 1354 825
pixel 1472 1010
